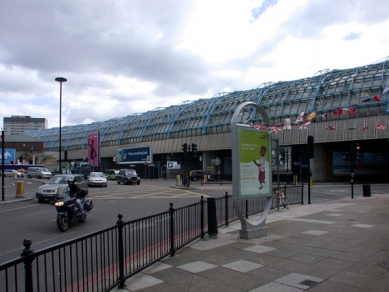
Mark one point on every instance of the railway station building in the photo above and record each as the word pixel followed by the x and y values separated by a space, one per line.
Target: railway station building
pixel 339 108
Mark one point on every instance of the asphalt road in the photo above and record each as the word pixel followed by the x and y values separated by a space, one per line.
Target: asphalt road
pixel 37 221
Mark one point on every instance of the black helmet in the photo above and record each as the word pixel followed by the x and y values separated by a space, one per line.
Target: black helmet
pixel 70 180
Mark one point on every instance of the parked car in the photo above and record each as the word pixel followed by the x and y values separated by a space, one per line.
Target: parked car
pixel 196 175
pixel 111 174
pixel 97 179
pixel 38 172
pixel 48 191
pixel 11 173
pixel 128 176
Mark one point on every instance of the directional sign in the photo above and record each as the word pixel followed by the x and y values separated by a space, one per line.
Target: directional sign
pixel 297 163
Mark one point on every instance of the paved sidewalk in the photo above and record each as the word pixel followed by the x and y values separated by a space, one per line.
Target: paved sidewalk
pixel 331 246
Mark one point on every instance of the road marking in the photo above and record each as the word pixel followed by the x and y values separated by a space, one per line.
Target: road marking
pixel 18 208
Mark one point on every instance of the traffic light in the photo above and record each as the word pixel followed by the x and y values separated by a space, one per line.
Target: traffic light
pixel 355 151
pixel 194 150
pixel 185 149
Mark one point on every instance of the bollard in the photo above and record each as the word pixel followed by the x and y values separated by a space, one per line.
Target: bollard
pixel 20 189
pixel 366 190
pixel 178 180
pixel 212 221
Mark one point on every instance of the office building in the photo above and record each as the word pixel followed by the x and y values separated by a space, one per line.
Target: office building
pixel 16 125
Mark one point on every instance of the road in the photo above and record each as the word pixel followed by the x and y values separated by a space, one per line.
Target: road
pixel 37 221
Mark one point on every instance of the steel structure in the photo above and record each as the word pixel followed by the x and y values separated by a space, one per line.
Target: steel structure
pixel 323 93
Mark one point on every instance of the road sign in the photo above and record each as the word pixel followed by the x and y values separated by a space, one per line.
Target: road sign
pixel 297 163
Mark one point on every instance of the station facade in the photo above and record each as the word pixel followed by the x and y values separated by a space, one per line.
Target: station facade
pixel 338 108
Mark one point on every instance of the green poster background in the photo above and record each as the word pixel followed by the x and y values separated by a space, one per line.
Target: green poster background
pixel 250 142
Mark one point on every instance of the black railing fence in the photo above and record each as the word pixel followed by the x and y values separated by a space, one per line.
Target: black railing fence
pixel 103 260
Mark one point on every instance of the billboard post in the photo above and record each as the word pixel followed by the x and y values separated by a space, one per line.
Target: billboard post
pixel 251 170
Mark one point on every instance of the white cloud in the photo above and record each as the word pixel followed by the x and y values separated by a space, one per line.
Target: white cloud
pixel 129 57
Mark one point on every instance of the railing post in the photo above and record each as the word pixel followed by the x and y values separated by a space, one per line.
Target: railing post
pixel 202 216
pixel 171 211
pixel 285 193
pixel 212 218
pixel 29 256
pixel 247 209
pixel 302 193
pixel 122 279
pixel 226 208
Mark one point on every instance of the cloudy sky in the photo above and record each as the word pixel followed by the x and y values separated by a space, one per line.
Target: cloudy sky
pixel 131 56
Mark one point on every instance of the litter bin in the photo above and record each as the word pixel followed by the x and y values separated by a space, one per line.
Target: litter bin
pixel 366 190
pixel 20 189
pixel 205 178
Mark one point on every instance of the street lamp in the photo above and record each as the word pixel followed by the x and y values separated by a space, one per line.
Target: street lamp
pixel 2 166
pixel 60 80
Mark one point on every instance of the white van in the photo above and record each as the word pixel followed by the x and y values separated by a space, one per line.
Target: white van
pixel 38 172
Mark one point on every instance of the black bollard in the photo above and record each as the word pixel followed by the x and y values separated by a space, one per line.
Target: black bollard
pixel 28 255
pixel 212 221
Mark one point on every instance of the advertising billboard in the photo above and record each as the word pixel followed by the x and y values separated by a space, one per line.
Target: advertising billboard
pixel 9 155
pixel 134 155
pixel 254 168
pixel 94 149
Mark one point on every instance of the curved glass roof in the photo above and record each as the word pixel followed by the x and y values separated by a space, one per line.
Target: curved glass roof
pixel 322 93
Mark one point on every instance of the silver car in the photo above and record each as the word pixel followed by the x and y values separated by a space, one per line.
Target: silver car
pixel 97 179
pixel 11 173
pixel 48 191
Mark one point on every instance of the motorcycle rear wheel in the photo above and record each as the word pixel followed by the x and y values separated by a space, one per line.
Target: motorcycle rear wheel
pixel 62 223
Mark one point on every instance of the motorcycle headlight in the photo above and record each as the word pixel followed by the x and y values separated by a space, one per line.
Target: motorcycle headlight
pixel 58 204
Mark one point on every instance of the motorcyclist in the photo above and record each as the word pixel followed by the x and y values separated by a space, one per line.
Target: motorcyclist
pixel 75 190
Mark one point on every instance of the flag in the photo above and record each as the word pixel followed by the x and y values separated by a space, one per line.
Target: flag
pixel 374 98
pixel 287 124
pixel 274 130
pixel 387 86
pixel 260 127
pixel 330 127
pixel 300 118
pixel 304 126
pixel 311 116
pixel 351 109
pixel 323 117
pixel 338 112
pixel 380 127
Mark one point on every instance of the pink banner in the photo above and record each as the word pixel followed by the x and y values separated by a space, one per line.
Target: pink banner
pixel 93 149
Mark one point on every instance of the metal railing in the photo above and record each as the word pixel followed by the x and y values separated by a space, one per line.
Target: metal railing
pixel 103 260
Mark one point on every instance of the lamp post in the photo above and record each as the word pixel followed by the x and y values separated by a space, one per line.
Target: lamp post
pixel 60 80
pixel 2 166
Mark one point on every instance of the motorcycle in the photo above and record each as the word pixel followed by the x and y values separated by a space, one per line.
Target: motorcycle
pixel 68 210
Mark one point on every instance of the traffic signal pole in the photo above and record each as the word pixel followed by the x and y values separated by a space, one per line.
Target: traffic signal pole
pixel 353 156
